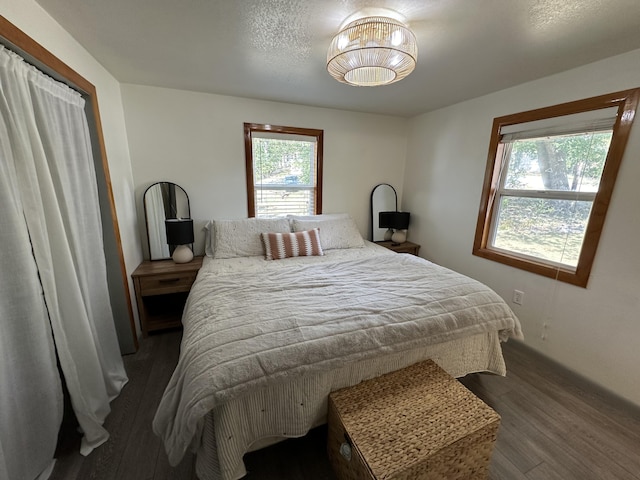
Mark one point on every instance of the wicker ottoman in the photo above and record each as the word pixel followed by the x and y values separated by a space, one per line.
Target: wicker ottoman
pixel 416 423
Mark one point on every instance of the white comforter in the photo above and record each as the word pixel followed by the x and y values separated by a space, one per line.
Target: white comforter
pixel 251 325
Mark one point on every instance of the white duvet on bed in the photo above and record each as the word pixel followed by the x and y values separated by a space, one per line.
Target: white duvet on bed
pixel 251 324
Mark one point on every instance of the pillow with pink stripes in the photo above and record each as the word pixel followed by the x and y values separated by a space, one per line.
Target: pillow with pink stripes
pixel 285 245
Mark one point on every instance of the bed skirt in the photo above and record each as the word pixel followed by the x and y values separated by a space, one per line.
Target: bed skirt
pixel 291 409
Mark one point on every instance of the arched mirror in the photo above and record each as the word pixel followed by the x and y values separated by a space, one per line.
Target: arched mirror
pixel 383 199
pixel 163 200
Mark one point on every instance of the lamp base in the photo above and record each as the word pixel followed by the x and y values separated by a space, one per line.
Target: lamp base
pixel 399 236
pixel 182 254
pixel 388 234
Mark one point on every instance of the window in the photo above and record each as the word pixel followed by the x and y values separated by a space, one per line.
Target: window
pixel 549 178
pixel 284 170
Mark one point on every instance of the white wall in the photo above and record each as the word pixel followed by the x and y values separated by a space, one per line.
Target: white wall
pixel 28 16
pixel 594 331
pixel 197 141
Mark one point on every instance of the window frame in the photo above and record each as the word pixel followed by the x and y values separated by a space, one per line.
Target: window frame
pixel 250 128
pixel 626 102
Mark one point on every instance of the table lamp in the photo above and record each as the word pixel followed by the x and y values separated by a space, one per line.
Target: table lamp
pixel 386 220
pixel 180 234
pixel 400 224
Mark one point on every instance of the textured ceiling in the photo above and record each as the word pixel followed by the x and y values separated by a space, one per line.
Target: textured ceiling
pixel 276 49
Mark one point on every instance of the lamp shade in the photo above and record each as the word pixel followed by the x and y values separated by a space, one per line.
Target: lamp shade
pixel 401 220
pixel 396 220
pixel 179 231
pixel 386 219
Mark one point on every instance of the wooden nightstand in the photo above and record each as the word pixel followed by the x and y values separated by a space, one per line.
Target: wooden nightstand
pixel 406 247
pixel 162 288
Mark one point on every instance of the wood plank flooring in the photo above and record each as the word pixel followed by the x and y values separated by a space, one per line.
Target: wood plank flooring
pixel 555 426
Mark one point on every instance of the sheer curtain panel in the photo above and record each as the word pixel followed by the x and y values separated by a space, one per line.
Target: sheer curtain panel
pixel 30 389
pixel 56 185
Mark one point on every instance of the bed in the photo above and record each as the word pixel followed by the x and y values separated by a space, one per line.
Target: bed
pixel 265 340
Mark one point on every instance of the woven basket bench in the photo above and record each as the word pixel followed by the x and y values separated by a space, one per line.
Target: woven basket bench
pixel 415 423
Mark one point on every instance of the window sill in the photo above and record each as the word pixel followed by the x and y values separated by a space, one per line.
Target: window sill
pixel 572 277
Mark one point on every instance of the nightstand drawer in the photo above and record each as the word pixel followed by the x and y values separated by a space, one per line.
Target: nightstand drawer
pixel 167 283
pixel 406 247
pixel 403 248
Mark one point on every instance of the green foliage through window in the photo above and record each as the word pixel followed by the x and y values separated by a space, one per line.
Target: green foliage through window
pixel 283 161
pixel 539 225
pixel 568 162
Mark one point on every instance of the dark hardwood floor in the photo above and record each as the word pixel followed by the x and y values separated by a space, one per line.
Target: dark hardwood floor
pixel 554 426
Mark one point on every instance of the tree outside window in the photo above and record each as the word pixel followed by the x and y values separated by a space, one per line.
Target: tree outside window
pixel 562 175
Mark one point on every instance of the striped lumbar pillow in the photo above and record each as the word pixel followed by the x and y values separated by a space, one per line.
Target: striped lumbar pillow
pixel 285 245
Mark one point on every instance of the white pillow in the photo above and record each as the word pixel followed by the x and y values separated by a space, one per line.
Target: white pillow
pixel 241 237
pixel 341 232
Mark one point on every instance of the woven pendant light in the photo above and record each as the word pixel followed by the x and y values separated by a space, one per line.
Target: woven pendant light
pixel 372 51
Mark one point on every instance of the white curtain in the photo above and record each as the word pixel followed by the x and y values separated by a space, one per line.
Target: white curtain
pixel 30 389
pixel 56 185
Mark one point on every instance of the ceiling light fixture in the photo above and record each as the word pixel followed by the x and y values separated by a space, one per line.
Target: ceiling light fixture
pixel 372 51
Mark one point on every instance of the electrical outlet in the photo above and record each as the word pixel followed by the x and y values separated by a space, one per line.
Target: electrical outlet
pixel 518 297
